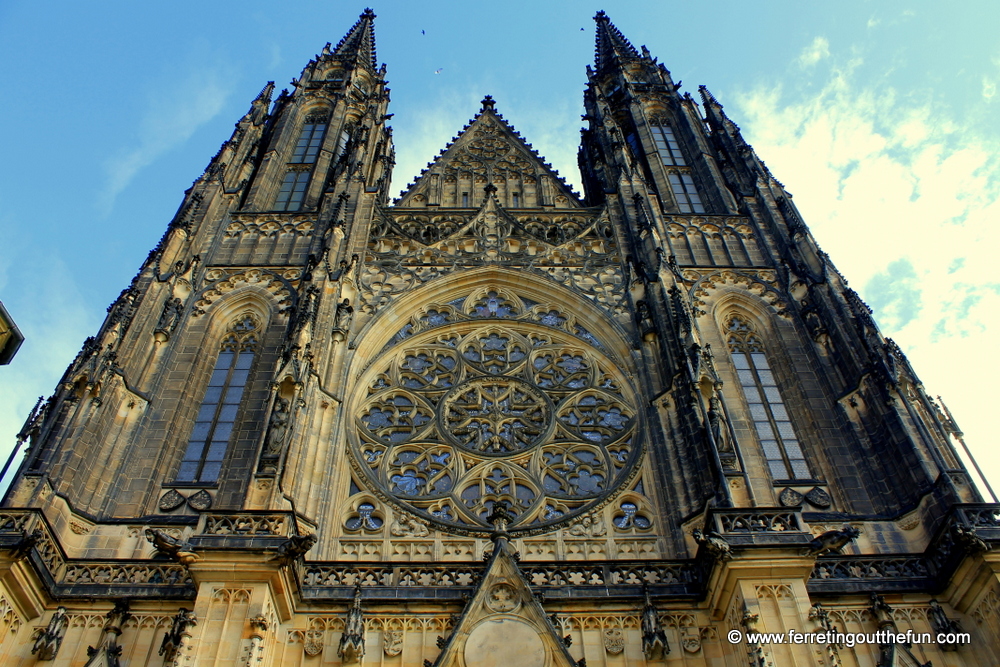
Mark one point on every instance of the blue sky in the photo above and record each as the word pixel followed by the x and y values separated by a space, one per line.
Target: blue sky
pixel 881 118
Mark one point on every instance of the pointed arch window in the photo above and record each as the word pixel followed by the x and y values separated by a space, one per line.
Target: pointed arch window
pixel 767 409
pixel 213 426
pixel 310 140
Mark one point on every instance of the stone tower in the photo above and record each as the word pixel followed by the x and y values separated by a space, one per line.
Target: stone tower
pixel 491 421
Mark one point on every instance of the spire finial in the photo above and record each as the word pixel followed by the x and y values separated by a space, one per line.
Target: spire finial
pixel 488 102
pixel 612 46
pixel 359 42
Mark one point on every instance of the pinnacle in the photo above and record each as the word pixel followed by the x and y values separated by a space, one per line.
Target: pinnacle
pixel 612 46
pixel 488 102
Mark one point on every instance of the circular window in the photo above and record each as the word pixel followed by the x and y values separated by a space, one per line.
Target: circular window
pixel 467 414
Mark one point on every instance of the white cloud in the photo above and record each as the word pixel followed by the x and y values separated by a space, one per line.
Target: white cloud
pixel 989 88
pixel 904 199
pixel 172 114
pixel 812 54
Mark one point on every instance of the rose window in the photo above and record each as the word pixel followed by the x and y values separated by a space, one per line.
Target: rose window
pixel 469 413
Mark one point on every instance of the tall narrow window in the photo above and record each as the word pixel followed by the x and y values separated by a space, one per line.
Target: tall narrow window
pixel 310 140
pixel 465 199
pixel 293 190
pixel 679 175
pixel 667 146
pixel 767 409
pixel 342 142
pixel 214 424
pixel 685 193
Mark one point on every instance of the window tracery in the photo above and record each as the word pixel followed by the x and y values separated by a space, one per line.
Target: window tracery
pixel 492 408
pixel 767 410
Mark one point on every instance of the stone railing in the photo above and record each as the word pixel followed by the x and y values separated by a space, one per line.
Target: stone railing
pixel 452 580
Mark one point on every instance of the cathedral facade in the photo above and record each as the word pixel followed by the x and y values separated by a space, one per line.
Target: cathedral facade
pixel 493 421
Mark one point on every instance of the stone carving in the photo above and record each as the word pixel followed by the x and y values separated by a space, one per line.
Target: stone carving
pixel 246 524
pixel 502 598
pixel 293 548
pixel 170 501
pixel 731 521
pixel 392 642
pixel 819 498
pixel 352 642
pixel 174 637
pixel 570 248
pixel 28 541
pixel 200 501
pixel 832 541
pixel 312 642
pixel 588 526
pixel 968 539
pixel 277 428
pixel 943 625
pixel 614 640
pixel 789 497
pixel 176 549
pixel 47 644
pixel 405 526
pixel 715 545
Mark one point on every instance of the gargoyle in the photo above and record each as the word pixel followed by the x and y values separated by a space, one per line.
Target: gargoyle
pixel 176 549
pixel 832 541
pixel 714 544
pixel 293 548
pixel 969 539
pixel 27 542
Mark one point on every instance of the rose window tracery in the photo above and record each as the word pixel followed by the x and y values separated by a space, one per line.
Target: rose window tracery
pixel 468 413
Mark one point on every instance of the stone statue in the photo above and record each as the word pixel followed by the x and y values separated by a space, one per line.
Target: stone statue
pixel 278 428
pixel 47 644
pixel 170 316
pixel 345 313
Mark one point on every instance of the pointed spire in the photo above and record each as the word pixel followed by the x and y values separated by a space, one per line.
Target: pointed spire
pixel 359 41
pixel 261 104
pixel 612 45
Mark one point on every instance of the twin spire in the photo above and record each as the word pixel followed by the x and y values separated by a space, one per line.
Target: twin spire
pixel 612 47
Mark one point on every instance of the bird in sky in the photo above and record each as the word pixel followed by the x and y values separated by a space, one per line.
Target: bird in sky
pixel 424 32
pixel 438 70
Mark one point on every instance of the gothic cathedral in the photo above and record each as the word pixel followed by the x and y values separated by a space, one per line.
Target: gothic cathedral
pixel 492 422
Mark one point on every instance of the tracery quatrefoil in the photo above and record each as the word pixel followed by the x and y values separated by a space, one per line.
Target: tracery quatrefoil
pixel 454 421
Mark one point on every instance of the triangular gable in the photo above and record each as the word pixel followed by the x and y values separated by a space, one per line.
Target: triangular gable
pixel 489 151
pixel 504 625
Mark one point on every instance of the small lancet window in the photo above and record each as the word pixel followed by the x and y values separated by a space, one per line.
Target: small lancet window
pixel 293 190
pixel 310 140
pixel 213 426
pixel 517 199
pixel 767 409
pixel 465 199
